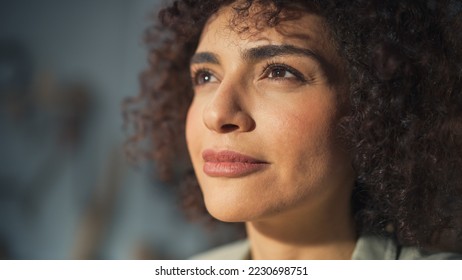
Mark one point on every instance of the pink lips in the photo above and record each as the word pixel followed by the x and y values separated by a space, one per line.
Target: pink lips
pixel 230 164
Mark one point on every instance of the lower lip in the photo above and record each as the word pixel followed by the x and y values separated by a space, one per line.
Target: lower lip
pixel 232 169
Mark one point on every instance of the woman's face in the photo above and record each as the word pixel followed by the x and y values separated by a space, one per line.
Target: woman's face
pixel 261 130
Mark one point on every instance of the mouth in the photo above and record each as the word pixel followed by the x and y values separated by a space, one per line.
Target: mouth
pixel 230 164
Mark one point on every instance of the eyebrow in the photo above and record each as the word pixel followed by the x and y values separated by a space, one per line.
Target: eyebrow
pixel 258 53
pixel 268 51
pixel 204 57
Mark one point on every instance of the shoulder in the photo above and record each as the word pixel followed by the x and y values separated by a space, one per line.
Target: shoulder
pixel 382 248
pixel 239 250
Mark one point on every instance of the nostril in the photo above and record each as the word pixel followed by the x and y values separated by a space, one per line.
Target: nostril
pixel 229 128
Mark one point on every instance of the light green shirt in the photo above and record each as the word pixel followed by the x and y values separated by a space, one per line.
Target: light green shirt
pixel 367 248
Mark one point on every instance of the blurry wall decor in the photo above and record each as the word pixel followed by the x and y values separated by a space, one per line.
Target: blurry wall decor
pixel 66 191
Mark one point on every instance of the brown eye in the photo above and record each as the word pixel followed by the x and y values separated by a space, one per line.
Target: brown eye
pixel 280 72
pixel 283 72
pixel 202 77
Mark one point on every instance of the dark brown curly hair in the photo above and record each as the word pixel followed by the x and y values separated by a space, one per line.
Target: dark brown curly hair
pixel 403 125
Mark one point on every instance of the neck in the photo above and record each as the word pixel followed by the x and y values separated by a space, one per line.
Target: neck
pixel 305 234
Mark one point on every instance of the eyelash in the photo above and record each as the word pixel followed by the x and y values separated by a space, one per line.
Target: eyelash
pixel 271 66
pixel 195 75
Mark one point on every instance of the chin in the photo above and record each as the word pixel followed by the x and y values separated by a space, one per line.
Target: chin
pixel 226 218
pixel 226 213
pixel 242 200
pixel 229 211
pixel 239 210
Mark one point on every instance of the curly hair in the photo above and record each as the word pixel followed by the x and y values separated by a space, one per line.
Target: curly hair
pixel 403 125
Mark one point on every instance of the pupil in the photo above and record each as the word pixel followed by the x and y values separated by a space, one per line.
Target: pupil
pixel 279 73
pixel 203 78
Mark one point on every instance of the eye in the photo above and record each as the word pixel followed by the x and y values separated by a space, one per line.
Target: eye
pixel 282 72
pixel 203 76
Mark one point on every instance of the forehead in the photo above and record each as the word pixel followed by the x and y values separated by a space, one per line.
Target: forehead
pixel 297 28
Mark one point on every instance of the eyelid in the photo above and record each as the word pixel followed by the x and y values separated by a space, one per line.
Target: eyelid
pixel 272 65
pixel 196 70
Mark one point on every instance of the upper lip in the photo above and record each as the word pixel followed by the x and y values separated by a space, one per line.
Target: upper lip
pixel 228 156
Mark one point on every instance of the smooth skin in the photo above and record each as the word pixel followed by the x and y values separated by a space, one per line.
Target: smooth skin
pixel 274 95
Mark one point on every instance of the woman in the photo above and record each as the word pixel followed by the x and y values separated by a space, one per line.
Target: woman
pixel 332 129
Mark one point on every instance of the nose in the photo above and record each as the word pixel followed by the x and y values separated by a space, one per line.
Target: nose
pixel 227 111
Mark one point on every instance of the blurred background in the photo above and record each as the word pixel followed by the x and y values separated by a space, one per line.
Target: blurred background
pixel 66 190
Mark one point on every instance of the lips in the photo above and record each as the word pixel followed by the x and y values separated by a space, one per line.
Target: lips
pixel 230 164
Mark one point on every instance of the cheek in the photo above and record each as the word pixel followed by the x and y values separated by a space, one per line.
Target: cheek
pixel 193 127
pixel 304 129
pixel 306 141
